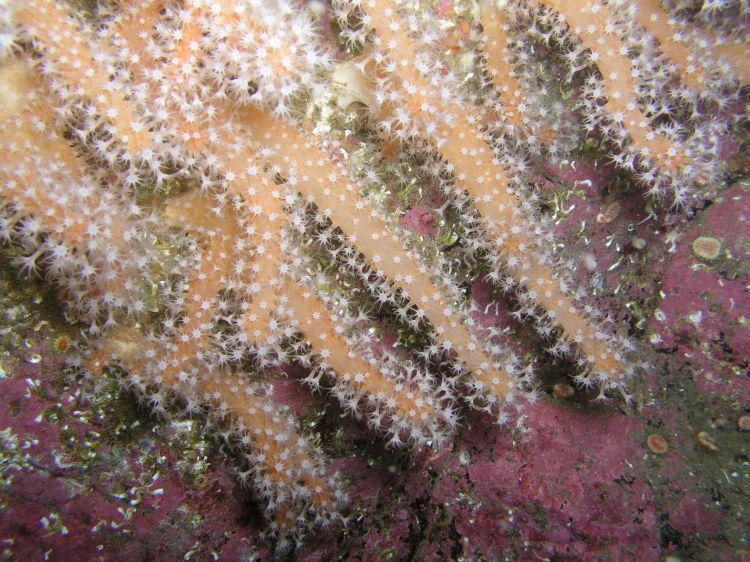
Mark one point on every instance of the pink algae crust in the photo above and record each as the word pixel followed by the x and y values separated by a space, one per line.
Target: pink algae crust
pixel 420 220
pixel 704 315
pixel 59 507
pixel 558 497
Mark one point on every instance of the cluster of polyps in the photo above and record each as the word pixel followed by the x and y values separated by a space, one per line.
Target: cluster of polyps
pixel 652 81
pixel 172 124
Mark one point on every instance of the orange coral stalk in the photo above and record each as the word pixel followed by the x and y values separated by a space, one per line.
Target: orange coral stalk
pixel 316 176
pixel 71 56
pixel 131 30
pixel 191 212
pixel 679 47
pixel 498 63
pixel 475 169
pixel 286 455
pixel 408 405
pixel 83 220
pixel 35 153
pixel 594 25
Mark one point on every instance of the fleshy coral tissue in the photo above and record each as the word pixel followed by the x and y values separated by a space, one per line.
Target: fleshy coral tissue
pixel 176 170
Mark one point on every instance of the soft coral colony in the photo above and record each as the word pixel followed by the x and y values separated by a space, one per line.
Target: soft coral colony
pixel 161 170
